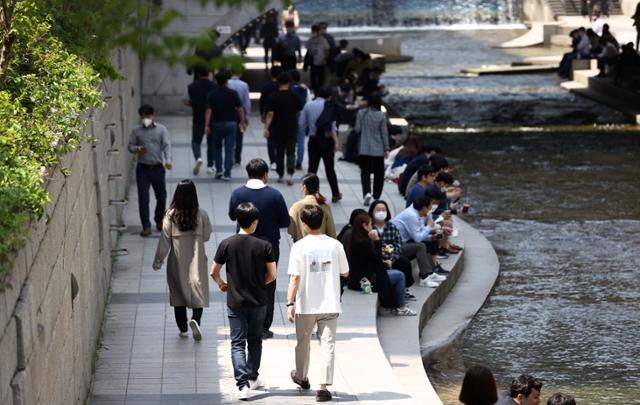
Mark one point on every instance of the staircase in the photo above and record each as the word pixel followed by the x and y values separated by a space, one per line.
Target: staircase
pixel 573 7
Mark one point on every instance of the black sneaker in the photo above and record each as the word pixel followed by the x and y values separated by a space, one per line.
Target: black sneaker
pixel 440 269
pixel 267 334
pixel 299 166
pixel 304 384
pixel 323 396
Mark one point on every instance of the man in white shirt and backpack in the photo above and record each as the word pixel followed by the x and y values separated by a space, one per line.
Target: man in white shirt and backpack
pixel 316 263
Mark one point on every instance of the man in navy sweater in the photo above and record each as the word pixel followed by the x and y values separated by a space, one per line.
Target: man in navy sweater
pixel 274 215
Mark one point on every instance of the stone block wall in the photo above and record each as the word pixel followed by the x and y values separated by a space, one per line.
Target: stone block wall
pixel 51 313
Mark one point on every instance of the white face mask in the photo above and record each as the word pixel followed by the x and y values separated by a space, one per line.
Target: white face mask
pixel 146 122
pixel 380 215
pixel 444 189
pixel 433 208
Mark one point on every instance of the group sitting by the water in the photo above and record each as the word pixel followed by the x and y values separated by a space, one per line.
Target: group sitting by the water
pixel 621 62
pixel 479 388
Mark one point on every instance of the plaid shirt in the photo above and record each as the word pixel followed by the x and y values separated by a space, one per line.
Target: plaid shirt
pixel 390 236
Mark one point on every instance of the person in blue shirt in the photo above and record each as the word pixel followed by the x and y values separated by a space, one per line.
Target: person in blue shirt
pixel 426 177
pixel 274 216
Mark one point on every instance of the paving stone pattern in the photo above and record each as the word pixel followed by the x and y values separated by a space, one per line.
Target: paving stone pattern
pixel 144 361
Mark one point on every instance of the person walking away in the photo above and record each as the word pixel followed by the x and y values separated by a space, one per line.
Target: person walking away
pixel 317 56
pixel 269 33
pixel 373 148
pixel 311 190
pixel 323 138
pixel 290 14
pixel 242 88
pixel 275 216
pixel 250 267
pixel 185 229
pixel 198 91
pixel 281 123
pixel 224 110
pixel 636 23
pixel 150 141
pixel 333 48
pixel 266 91
pixel 316 264
pixel 287 45
pixel 299 89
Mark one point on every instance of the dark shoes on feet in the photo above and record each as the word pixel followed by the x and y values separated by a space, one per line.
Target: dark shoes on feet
pixel 323 396
pixel 304 384
pixel 336 198
pixel 145 232
pixel 267 334
pixel 159 226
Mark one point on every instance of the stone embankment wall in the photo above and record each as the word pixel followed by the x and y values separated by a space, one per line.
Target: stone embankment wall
pixel 51 313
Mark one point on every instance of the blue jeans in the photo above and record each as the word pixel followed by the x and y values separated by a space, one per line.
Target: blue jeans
pixel 397 283
pixel 151 175
pixel 300 151
pixel 246 330
pixel 197 133
pixel 224 131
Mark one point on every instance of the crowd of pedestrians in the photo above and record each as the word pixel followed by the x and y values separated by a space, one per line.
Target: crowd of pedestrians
pixel 372 253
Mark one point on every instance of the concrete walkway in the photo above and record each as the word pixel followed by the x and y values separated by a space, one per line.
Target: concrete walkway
pixel 144 361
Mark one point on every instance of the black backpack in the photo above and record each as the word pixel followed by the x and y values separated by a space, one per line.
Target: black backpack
pixel 325 120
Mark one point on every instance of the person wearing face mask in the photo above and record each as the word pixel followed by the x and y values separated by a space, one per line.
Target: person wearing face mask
pixel 391 243
pixel 364 251
pixel 311 190
pixel 150 141
pixel 524 390
pixel 426 176
pixel 415 230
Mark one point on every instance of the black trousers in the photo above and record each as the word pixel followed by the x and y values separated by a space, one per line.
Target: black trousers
pixel 181 317
pixel 238 145
pixel 371 165
pixel 318 74
pixel 271 290
pixel 154 176
pixel 286 147
pixel 321 147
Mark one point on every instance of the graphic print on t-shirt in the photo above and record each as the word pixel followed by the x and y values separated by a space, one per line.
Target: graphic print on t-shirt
pixel 318 262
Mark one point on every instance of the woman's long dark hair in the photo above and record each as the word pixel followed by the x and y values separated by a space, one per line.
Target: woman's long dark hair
pixel 357 230
pixel 185 206
pixel 312 184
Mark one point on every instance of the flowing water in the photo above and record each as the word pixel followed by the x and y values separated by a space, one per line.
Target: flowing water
pixel 554 183
pixel 409 13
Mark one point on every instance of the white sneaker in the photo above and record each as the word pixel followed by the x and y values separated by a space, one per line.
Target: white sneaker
pixel 427 282
pixel 211 170
pixel 255 384
pixel 367 199
pixel 195 330
pixel 273 166
pixel 280 180
pixel 290 180
pixel 405 311
pixel 196 168
pixel 436 277
pixel 243 394
pixel 184 334
pixel 226 178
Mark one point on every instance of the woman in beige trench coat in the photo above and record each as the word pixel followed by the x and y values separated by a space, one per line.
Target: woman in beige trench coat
pixel 185 228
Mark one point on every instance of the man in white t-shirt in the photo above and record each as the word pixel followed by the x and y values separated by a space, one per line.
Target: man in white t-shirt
pixel 316 263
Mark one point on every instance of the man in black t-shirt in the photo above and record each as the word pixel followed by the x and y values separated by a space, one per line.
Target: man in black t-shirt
pixel 224 112
pixel 198 92
pixel 250 266
pixel 281 123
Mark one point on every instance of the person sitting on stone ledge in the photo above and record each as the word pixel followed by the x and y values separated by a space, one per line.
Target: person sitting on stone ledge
pixel 364 251
pixel 627 67
pixel 524 390
pixel 606 57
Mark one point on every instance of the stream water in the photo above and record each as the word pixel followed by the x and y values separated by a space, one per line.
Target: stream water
pixel 554 183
